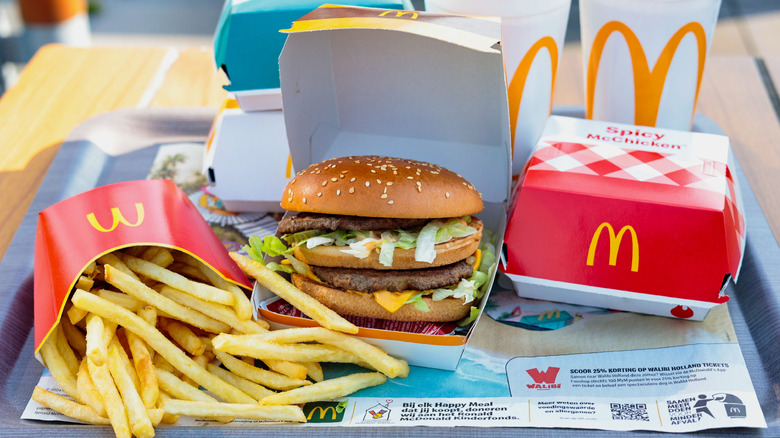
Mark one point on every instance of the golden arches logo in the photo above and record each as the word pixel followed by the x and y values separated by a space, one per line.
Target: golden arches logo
pixel 614 245
pixel 323 412
pixel 400 14
pixel 648 84
pixel 117 218
pixel 517 83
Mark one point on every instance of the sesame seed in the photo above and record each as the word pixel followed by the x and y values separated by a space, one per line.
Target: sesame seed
pixel 351 190
pixel 352 179
pixel 384 195
pixel 334 179
pixel 390 201
pixel 289 199
pixel 379 181
pixel 409 177
pixel 304 199
pixel 368 183
pixel 389 183
pixel 373 171
pixel 319 194
pixel 419 189
pixel 447 194
pixel 338 192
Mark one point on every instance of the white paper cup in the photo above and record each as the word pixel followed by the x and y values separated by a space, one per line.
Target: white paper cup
pixel 644 59
pixel 533 33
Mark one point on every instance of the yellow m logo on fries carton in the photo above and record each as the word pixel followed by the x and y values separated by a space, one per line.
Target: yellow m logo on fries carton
pixel 614 245
pixel 117 218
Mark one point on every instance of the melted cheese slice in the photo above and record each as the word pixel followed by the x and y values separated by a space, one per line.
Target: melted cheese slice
pixel 393 301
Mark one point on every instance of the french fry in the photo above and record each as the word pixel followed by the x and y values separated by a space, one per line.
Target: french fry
pixel 97 347
pixel 256 391
pixel 219 312
pixel 155 415
pixel 67 407
pixel 327 389
pixel 242 304
pixel 176 387
pixel 246 346
pixel 87 391
pixel 90 268
pixel 266 378
pixel 303 302
pixel 113 260
pixel 140 424
pixel 289 369
pixel 129 302
pixel 314 371
pixel 185 337
pixel 75 315
pixel 188 271
pixel 54 361
pixel 166 418
pixel 64 348
pixel 159 256
pixel 144 368
pixel 160 343
pixel 148 314
pixel 160 362
pixel 137 289
pixel 125 360
pixel 85 283
pixel 251 411
pixel 112 401
pixel 75 337
pixel 373 355
pixel 200 290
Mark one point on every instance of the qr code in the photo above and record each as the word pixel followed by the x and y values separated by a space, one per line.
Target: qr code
pixel 629 411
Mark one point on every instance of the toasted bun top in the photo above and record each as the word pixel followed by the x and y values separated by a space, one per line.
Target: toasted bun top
pixel 376 186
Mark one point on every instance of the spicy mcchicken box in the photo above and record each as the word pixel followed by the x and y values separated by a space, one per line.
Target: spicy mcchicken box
pixel 627 217
pixel 78 230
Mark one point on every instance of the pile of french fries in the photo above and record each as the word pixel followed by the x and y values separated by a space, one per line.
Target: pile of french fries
pixel 147 327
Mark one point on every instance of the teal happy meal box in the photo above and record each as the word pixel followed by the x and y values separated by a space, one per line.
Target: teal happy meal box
pixel 247 44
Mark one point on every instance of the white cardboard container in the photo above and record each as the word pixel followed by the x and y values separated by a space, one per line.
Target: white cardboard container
pixel 247 158
pixel 408 85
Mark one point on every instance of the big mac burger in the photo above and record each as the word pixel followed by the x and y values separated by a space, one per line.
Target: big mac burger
pixel 386 238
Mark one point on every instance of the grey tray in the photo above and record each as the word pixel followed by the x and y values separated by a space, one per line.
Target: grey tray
pixel 96 153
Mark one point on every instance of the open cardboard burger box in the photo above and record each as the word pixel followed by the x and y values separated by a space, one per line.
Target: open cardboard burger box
pixel 624 217
pixel 362 81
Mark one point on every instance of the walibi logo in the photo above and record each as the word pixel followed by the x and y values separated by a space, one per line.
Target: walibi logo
pixel 543 380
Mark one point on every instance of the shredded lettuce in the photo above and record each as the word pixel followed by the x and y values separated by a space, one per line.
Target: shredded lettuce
pixel 360 248
pixel 417 301
pixel 387 248
pixel 426 241
pixel 470 318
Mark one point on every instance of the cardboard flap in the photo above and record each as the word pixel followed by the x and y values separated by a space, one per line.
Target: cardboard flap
pixel 477 33
pixel 350 90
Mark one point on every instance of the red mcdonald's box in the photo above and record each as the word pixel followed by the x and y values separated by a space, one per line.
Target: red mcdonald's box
pixel 626 217
pixel 76 231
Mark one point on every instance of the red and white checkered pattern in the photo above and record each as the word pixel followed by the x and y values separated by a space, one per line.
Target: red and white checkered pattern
pixel 612 161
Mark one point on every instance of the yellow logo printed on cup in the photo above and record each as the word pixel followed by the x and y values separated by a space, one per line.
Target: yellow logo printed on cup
pixel 648 84
pixel 400 14
pixel 517 83
pixel 117 218
pixel 614 245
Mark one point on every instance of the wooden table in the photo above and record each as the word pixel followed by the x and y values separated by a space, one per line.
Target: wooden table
pixel 63 86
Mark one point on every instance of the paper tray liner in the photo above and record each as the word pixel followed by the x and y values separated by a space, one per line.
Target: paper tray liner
pixel 74 232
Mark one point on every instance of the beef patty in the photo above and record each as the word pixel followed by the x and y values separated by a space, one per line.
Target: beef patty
pixel 293 222
pixel 371 280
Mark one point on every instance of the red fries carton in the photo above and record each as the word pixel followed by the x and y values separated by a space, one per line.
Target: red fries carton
pixel 75 232
pixel 627 217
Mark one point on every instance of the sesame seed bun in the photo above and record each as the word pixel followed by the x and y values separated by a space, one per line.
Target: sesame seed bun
pixel 364 304
pixel 374 186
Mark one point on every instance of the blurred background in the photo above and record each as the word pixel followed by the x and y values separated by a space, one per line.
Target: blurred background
pixel 749 27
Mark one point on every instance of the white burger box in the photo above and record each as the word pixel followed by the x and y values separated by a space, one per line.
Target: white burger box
pixel 363 81
pixel 627 217
pixel 247 159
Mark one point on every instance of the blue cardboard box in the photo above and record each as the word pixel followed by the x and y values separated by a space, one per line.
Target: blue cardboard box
pixel 247 41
